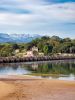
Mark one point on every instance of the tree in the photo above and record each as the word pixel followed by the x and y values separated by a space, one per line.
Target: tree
pixel 56 38
pixel 35 53
pixel 47 49
pixel 40 46
pixel 6 51
pixel 72 49
pixel 15 46
pixel 45 38
pixel 66 40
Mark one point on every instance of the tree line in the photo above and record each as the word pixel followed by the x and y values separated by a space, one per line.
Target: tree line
pixel 45 44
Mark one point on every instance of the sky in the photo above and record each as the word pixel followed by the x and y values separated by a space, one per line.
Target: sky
pixel 45 17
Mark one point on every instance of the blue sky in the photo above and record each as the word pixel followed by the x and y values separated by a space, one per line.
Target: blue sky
pixel 45 17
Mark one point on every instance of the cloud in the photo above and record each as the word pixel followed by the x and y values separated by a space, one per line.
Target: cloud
pixel 58 1
pixel 37 15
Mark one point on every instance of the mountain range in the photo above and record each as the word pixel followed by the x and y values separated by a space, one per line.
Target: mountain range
pixel 18 38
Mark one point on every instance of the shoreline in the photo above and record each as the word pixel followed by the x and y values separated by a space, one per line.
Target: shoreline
pixel 27 77
pixel 36 89
pixel 39 62
pixel 33 59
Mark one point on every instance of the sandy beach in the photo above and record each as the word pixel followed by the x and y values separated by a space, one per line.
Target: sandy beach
pixel 27 88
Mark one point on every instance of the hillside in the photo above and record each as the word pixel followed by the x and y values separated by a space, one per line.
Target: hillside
pixel 18 38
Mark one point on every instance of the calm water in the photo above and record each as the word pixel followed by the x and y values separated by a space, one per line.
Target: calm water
pixel 63 70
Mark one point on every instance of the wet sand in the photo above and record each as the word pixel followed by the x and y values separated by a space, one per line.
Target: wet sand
pixel 27 88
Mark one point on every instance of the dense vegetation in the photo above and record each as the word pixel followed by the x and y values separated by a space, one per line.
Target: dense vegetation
pixel 47 45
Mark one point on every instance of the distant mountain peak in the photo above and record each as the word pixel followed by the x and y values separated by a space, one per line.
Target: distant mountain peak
pixel 19 38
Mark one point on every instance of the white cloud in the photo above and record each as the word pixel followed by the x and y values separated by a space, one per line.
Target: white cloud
pixel 57 12
pixel 41 15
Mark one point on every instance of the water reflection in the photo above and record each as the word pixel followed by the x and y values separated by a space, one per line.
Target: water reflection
pixel 53 68
pixel 12 69
pixel 57 69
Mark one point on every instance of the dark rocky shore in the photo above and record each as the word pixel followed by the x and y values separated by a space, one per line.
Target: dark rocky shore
pixel 30 59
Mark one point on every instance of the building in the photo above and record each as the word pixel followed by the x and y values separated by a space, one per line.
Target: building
pixel 17 51
pixel 32 52
pixel 29 54
pixel 34 48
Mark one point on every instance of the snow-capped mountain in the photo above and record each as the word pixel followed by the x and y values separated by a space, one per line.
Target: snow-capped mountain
pixel 5 37
pixel 17 37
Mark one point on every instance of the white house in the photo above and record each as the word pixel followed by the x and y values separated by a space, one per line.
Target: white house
pixel 30 52
pixel 34 48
